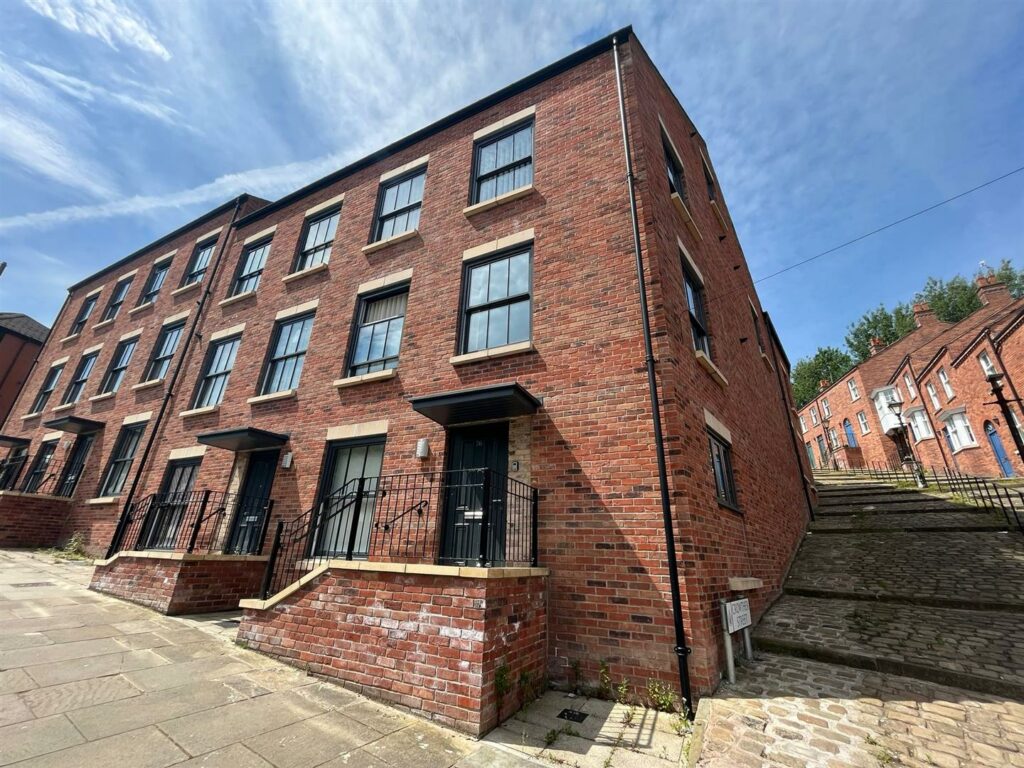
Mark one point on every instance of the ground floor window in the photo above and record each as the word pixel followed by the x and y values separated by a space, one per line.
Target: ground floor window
pixel 342 508
pixel 721 465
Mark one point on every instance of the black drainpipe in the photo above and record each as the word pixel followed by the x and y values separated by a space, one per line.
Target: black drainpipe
pixel 659 444
pixel 122 523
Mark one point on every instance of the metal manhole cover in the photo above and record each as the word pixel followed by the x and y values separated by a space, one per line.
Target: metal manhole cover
pixel 572 714
pixel 35 584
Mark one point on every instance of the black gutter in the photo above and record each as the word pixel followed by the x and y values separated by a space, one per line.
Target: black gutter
pixel 211 277
pixel 541 75
pixel 681 650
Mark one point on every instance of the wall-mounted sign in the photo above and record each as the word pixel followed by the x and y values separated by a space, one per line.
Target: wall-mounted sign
pixel 737 615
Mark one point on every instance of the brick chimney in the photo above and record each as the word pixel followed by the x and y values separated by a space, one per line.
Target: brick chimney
pixel 992 291
pixel 923 314
pixel 876 345
pixel 824 384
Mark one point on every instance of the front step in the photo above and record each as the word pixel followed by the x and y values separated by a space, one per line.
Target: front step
pixel 960 520
pixel 931 505
pixel 976 650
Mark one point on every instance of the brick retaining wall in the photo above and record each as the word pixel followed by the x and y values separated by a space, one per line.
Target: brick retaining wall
pixel 28 520
pixel 432 643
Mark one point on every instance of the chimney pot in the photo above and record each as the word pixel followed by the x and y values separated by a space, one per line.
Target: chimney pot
pixel 823 384
pixel 876 345
pixel 923 313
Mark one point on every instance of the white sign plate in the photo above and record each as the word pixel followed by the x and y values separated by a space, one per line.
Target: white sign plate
pixel 737 614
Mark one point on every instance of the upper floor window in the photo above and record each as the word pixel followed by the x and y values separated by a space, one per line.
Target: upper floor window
pixel 698 312
pixel 121 459
pixel 960 433
pixel 49 384
pixel 814 416
pixel 220 359
pixel 78 381
pixel 862 419
pixel 199 263
pixel 398 205
pixel 986 364
pixel 803 425
pixel 83 314
pixel 919 426
pixel 155 282
pixel 250 268
pixel 163 352
pixel 317 241
pixel 757 329
pixel 721 466
pixel 674 168
pixel 826 409
pixel 117 297
pixel 118 365
pixel 909 383
pixel 933 396
pixel 854 391
pixel 946 386
pixel 503 163
pixel 497 302
pixel 379 321
pixel 287 354
pixel 709 180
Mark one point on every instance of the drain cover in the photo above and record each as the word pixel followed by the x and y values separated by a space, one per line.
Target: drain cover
pixel 572 714
pixel 35 584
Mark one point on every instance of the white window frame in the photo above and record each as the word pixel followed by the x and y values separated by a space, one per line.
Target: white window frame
pixel 854 392
pixel 946 386
pixel 933 395
pixel 919 426
pixel 826 408
pixel 803 425
pixel 955 422
pixel 987 367
pixel 909 383
pixel 814 416
pixel 862 419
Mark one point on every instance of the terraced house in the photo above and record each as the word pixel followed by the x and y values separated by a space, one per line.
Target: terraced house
pixel 405 413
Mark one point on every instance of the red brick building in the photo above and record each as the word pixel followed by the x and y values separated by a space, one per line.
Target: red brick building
pixel 419 387
pixel 21 338
pixel 938 372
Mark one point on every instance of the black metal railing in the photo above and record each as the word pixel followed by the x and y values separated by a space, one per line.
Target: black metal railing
pixel 466 517
pixel 194 521
pixel 40 474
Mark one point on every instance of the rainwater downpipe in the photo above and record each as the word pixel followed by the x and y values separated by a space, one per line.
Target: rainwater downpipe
pixel 681 650
pixel 122 523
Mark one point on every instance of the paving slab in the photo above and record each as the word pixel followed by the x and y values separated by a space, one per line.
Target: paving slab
pixel 55 699
pixel 144 748
pixel 186 672
pixel 37 737
pixel 93 667
pixel 414 748
pixel 234 756
pixel 15 680
pixel 311 742
pixel 13 710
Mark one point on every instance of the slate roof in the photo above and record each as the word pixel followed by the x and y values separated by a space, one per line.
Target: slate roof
pixel 24 326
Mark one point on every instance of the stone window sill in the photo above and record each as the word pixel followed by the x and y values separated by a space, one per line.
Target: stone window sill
pixel 272 397
pixel 72 337
pixel 687 218
pixel 141 307
pixel 102 396
pixel 64 407
pixel 305 273
pixel 104 324
pixel 103 500
pixel 199 411
pixel 186 288
pixel 146 384
pixel 382 244
pixel 236 298
pixel 494 352
pixel 720 215
pixel 768 362
pixel 965 448
pixel 494 202
pixel 711 368
pixel 365 378
pixel 28 416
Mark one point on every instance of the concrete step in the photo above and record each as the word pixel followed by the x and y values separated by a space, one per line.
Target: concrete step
pixel 959 520
pixel 975 650
pixel 896 508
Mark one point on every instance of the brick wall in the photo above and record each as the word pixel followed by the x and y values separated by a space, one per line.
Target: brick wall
pixel 430 643
pixel 17 353
pixel 31 521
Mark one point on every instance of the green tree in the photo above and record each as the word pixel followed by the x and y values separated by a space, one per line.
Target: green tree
pixel 952 299
pixel 882 323
pixel 1006 273
pixel 827 363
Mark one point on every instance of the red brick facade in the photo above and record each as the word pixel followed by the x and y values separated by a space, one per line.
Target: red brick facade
pixel 589 448
pixel 30 520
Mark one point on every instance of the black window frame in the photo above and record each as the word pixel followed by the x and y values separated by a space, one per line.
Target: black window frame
pixel 84 312
pixel 241 278
pixel 465 311
pixel 271 360
pixel 194 274
pixel 157 356
pixel 358 322
pixel 117 299
pixel 757 329
pixel 379 217
pixel 674 169
pixel 725 492
pixel 698 320
pixel 483 142
pixel 149 293
pixel 47 388
pixel 301 262
pixel 129 437
pixel 36 474
pixel 117 367
pixel 205 376
pixel 78 379
pixel 709 181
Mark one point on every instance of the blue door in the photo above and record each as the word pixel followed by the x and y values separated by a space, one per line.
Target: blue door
pixel 997 448
pixel 851 439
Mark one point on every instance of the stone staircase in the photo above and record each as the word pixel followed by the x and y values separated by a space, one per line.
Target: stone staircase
pixel 905 582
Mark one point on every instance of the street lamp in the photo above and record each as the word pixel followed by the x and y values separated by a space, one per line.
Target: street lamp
pixel 896 406
pixel 995 380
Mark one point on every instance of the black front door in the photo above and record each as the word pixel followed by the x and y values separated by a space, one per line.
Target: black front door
pixel 163 519
pixel 470 451
pixel 251 511
pixel 74 465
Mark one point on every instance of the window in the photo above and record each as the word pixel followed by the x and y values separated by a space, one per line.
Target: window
pixel 721 466
pixel 698 312
pixel 121 459
pixel 826 410
pixel 909 383
pixel 39 471
pixel 960 433
pixel 117 298
pixel 676 177
pixel 814 416
pixel 250 268
pixel 986 364
pixel 319 238
pixel 378 337
pixel 166 345
pixel 220 359
pixel 155 282
pixel 398 205
pixel 833 440
pixel 49 384
pixel 946 387
pixel 83 315
pixel 803 425
pixel 288 351
pixel 854 392
pixel 709 180
pixel 919 426
pixel 933 396
pixel 497 302
pixel 757 329
pixel 118 364
pixel 85 366
pixel 862 419
pixel 198 264
pixel 503 163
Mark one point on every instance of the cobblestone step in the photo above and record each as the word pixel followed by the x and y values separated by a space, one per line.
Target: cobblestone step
pixel 920 505
pixel 974 650
pixel 960 520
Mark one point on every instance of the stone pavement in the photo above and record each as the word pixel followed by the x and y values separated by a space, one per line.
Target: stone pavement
pixel 87 680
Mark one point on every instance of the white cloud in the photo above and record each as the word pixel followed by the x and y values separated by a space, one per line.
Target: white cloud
pixel 105 20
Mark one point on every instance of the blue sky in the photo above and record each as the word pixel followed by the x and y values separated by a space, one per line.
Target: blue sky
pixel 824 119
